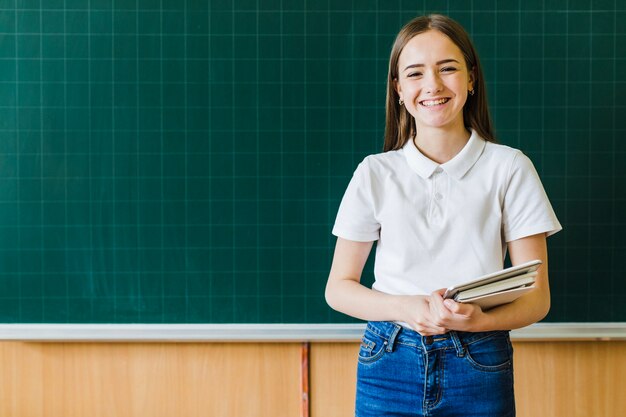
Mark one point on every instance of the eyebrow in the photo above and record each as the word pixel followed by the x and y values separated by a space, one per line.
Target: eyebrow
pixel 443 61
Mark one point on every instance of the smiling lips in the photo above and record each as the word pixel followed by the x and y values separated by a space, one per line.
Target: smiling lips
pixel 431 103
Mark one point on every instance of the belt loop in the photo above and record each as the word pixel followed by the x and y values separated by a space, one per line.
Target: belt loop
pixel 392 337
pixel 458 344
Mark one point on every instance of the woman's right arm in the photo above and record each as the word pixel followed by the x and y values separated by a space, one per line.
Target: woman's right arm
pixel 345 293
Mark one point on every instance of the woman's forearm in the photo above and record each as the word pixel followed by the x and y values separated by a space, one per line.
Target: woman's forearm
pixel 352 298
pixel 522 312
pixel 535 305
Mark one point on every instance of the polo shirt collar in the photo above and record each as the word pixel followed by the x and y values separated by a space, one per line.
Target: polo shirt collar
pixel 457 166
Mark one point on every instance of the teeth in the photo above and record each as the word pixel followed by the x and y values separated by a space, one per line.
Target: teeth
pixel 429 103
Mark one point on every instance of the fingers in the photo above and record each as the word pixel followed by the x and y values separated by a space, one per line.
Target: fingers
pixel 450 314
pixel 432 315
pixel 462 309
pixel 443 308
pixel 429 330
pixel 438 307
pixel 420 317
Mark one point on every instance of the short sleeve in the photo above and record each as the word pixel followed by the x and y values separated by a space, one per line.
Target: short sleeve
pixel 356 218
pixel 527 210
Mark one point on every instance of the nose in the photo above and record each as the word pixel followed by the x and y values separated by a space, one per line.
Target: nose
pixel 432 82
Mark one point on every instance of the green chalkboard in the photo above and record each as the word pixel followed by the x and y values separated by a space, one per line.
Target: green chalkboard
pixel 182 161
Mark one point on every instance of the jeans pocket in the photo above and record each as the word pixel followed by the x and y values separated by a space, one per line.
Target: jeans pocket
pixel 372 347
pixel 492 354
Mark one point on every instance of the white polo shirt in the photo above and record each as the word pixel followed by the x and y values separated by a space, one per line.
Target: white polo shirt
pixel 440 225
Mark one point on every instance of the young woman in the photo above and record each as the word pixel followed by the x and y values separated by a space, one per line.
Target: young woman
pixel 443 203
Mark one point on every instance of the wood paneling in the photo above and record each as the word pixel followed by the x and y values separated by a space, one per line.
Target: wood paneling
pixel 573 379
pixel 243 379
pixel 149 379
pixel 333 379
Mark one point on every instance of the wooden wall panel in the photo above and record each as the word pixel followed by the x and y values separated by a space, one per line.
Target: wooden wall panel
pixel 149 379
pixel 573 379
pixel 333 378
pixel 243 379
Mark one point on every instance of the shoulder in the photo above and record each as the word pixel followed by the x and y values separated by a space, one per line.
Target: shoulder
pixel 383 163
pixel 499 151
pixel 506 157
pixel 377 170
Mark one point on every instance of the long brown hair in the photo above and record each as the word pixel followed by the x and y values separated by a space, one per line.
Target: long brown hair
pixel 400 125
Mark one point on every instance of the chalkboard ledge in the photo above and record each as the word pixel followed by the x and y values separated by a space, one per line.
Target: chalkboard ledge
pixel 270 332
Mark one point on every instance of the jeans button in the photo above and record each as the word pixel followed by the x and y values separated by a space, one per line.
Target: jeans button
pixel 428 340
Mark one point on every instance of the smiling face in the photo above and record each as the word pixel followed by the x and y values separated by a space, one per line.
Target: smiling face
pixel 433 81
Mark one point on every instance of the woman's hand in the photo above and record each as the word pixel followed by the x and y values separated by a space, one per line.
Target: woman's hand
pixel 455 316
pixel 417 313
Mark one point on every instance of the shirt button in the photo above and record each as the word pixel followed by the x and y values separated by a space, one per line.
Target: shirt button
pixel 439 170
pixel 438 196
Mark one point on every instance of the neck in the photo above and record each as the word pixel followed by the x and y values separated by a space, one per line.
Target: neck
pixel 441 145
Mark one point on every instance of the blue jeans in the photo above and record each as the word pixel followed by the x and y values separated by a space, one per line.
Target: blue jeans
pixel 401 373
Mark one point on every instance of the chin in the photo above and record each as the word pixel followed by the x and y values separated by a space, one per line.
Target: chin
pixel 435 125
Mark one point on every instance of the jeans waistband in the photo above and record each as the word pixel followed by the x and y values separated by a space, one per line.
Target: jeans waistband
pixel 394 333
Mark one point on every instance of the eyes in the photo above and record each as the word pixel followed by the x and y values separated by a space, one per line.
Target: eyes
pixel 443 70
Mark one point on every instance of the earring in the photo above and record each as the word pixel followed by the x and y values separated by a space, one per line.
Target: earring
pixel 471 92
pixel 400 101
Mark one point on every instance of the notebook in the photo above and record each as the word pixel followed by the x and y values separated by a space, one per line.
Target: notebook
pixel 498 287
